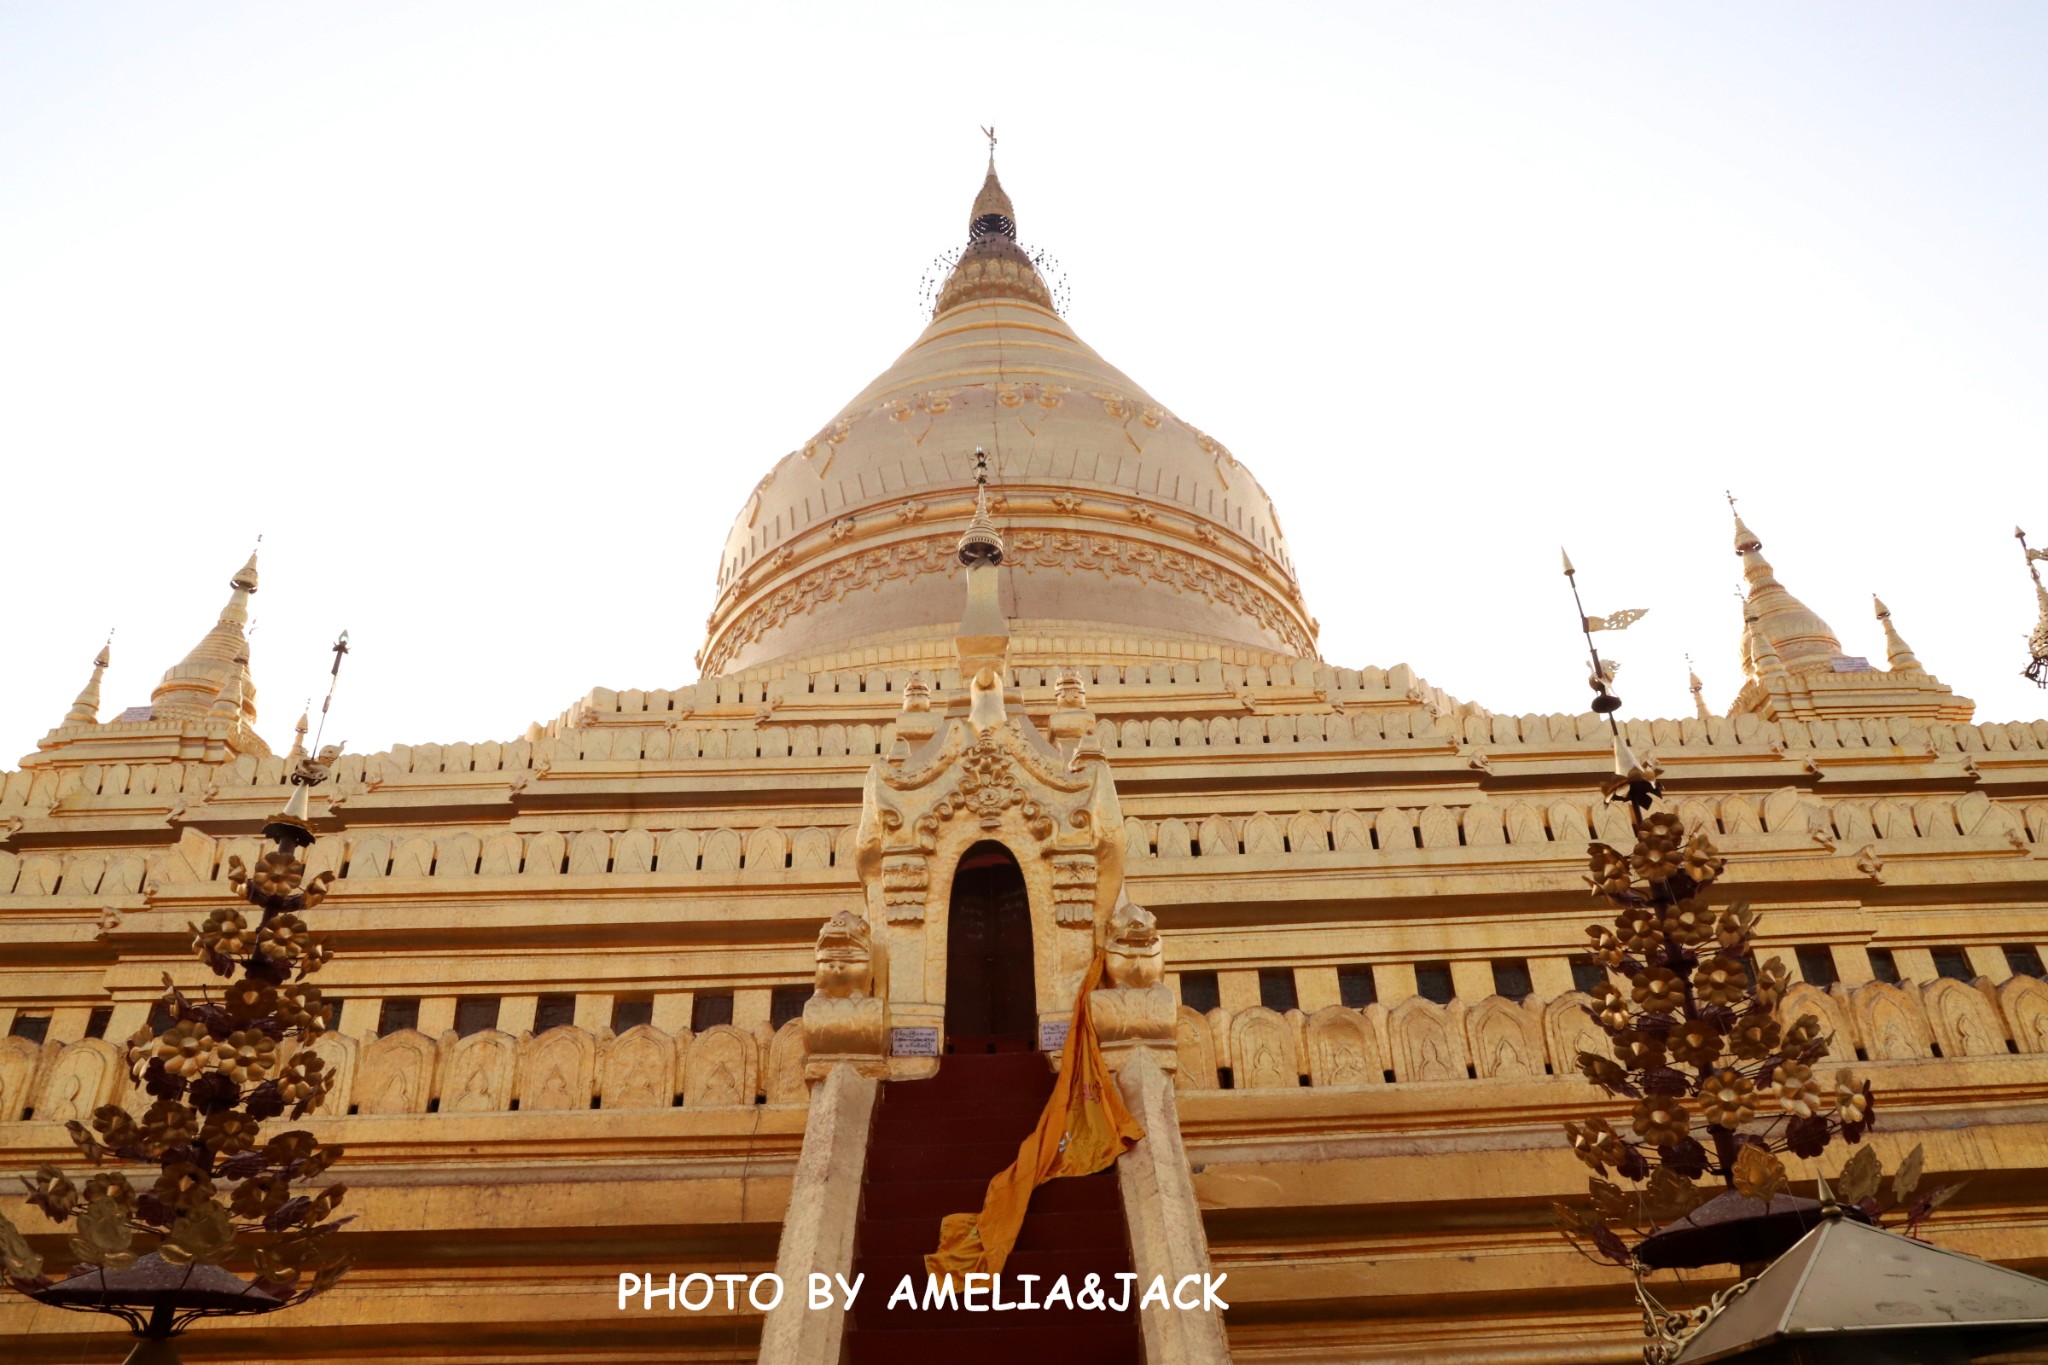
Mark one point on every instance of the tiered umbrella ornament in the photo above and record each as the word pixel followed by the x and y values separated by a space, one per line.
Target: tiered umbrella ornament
pixel 224 1218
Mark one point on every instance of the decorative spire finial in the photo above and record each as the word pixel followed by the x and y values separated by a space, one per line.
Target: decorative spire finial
pixel 193 687
pixel 992 214
pixel 992 266
pixel 86 710
pixel 1898 653
pixel 1746 542
pixel 980 543
pixel 982 643
pixel 1696 687
pixel 2036 670
pixel 1803 642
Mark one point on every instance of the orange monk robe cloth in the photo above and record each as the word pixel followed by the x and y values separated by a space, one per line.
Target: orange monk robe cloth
pixel 1084 1128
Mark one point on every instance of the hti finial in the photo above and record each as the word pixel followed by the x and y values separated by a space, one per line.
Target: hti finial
pixel 992 214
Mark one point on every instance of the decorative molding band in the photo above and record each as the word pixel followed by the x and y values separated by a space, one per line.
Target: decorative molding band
pixel 1066 551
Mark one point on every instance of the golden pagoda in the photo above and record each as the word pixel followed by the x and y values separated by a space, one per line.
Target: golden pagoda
pixel 1009 693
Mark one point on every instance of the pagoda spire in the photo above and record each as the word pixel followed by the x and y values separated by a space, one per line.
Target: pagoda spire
pixel 1698 690
pixel 86 710
pixel 193 686
pixel 992 214
pixel 1798 637
pixel 992 265
pixel 1898 653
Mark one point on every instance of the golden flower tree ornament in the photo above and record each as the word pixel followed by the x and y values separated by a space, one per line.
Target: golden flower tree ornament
pixel 1718 1091
pixel 1693 1038
pixel 1721 1091
pixel 229 1221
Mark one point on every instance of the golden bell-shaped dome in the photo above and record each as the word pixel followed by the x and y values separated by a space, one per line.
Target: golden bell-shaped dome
pixel 1120 520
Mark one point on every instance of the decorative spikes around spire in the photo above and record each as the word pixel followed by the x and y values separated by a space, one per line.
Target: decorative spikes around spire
pixel 86 710
pixel 1897 652
pixel 1698 689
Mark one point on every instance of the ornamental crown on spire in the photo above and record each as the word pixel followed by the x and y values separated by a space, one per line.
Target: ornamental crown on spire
pixel 993 266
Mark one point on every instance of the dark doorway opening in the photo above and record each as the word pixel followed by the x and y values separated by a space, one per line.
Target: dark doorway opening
pixel 991 995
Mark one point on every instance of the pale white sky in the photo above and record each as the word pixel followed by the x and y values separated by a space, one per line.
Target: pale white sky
pixel 489 315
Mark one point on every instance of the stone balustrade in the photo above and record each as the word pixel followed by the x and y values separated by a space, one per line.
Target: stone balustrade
pixel 1499 1039
pixel 1569 822
pixel 362 857
pixel 724 1067
pixel 1365 708
pixel 486 1072
pixel 1575 821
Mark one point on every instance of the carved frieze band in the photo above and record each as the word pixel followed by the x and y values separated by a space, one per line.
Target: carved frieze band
pixel 1067 551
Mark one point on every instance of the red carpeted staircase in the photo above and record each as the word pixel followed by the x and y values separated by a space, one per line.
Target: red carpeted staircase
pixel 936 1143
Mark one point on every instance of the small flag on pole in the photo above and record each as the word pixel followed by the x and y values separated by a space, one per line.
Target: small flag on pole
pixel 1620 620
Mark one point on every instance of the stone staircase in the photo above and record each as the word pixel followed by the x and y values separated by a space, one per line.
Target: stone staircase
pixel 934 1147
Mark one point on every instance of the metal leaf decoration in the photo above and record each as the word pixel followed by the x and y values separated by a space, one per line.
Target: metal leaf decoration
pixel 1906 1179
pixel 1859 1178
pixel 104 1237
pixel 17 1258
pixel 202 1235
pixel 1759 1174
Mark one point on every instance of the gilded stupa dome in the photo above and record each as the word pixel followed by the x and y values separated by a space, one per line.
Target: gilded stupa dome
pixel 1803 642
pixel 1123 522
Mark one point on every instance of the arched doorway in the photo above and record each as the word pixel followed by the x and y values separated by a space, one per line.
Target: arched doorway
pixel 991 994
